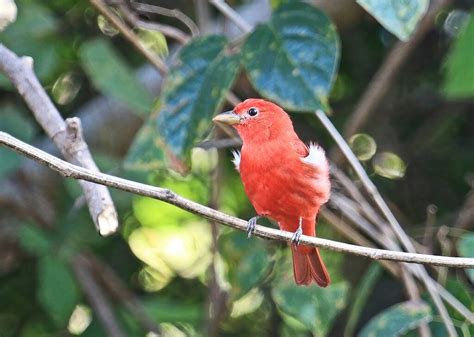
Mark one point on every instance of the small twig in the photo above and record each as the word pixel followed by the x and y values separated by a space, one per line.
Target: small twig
pixel 67 135
pixel 388 71
pixel 96 297
pixel 398 230
pixel 174 13
pixel 232 15
pixel 167 30
pixel 72 171
pixel 117 288
pixel 203 16
pixel 130 36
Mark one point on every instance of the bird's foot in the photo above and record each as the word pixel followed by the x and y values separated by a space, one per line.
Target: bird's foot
pixel 295 240
pixel 251 225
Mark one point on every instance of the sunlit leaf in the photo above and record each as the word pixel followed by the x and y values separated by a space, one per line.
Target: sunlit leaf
pixel 112 76
pixel 292 59
pixel 80 319
pixel 247 303
pixel 154 40
pixel 105 26
pixel 397 320
pixel 57 291
pixel 314 307
pixel 466 249
pixel 459 70
pixel 8 11
pixel 363 146
pixel 400 17
pixel 389 165
pixel 13 122
pixel 66 88
pixel 195 88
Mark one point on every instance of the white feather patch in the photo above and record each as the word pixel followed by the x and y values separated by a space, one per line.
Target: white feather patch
pixel 316 156
pixel 236 159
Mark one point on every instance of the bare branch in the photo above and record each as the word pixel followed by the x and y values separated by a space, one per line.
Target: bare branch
pixel 174 13
pixel 232 15
pixel 398 230
pixel 130 36
pixel 67 135
pixel 72 171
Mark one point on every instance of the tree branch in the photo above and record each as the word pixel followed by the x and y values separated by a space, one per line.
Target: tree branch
pixel 69 170
pixel 67 135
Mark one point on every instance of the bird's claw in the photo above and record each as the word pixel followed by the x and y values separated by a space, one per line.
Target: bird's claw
pixel 251 226
pixel 297 237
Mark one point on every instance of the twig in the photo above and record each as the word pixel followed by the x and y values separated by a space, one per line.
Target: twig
pixel 174 13
pixel 96 297
pixel 232 15
pixel 67 135
pixel 130 36
pixel 117 288
pixel 388 71
pixel 404 239
pixel 167 30
pixel 203 16
pixel 72 171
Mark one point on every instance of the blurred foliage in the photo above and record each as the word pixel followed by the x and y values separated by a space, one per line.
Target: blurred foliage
pixel 418 147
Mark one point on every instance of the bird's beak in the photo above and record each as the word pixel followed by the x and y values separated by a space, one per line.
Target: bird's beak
pixel 228 117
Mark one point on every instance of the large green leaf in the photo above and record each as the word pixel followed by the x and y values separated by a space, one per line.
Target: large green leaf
pixel 292 59
pixel 34 240
pixel 466 249
pixel 397 320
pixel 57 291
pixel 314 307
pixel 32 35
pixel 196 86
pixel 13 122
pixel 399 17
pixel 459 71
pixel 112 76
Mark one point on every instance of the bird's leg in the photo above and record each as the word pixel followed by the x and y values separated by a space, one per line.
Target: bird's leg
pixel 251 225
pixel 297 235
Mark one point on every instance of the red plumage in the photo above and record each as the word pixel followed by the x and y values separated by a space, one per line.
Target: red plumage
pixel 283 178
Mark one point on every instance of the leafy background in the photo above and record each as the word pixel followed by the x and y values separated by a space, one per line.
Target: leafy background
pixel 418 149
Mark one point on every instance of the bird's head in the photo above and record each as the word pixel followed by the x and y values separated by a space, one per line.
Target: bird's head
pixel 257 119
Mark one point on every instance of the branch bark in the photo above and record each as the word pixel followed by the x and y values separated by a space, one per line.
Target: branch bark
pixel 69 170
pixel 67 135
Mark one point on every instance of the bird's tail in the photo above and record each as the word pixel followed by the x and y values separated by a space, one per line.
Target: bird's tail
pixel 308 266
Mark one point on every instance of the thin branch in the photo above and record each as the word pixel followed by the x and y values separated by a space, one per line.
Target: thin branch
pixel 232 15
pixel 72 171
pixel 130 36
pixel 67 135
pixel 203 16
pixel 96 297
pixel 388 71
pixel 399 232
pixel 174 13
pixel 167 30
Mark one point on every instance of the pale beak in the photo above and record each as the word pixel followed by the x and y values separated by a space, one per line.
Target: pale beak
pixel 228 117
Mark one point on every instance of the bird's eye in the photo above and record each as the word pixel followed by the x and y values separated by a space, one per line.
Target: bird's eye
pixel 252 112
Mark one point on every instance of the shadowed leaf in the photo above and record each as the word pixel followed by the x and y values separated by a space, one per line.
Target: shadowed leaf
pixel 397 320
pixel 466 249
pixel 292 59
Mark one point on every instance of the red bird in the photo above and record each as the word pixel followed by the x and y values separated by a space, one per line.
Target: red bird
pixel 284 179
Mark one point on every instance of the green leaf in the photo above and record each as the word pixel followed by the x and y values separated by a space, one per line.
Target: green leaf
pixel 163 309
pixel 13 122
pixel 459 72
pixel 112 76
pixel 57 291
pixel 314 307
pixel 364 289
pixel 292 59
pixel 400 17
pixel 196 86
pixel 466 249
pixel 397 320
pixel 31 35
pixel 34 240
